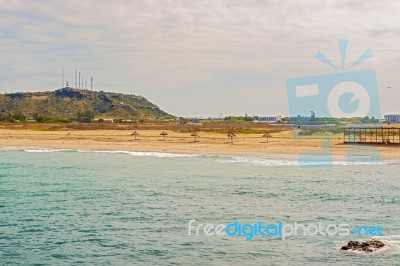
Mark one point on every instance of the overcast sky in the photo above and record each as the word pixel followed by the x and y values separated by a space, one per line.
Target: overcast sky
pixel 196 57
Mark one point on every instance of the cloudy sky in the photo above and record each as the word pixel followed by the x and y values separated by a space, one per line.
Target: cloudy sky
pixel 196 57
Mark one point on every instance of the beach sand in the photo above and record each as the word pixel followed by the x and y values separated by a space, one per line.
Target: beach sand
pixel 280 143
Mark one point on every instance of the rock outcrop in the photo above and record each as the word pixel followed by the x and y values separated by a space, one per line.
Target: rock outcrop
pixel 367 246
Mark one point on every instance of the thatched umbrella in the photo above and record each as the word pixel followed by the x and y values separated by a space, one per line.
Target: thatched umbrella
pixel 164 134
pixel 135 134
pixel 195 136
pixel 231 135
pixel 266 135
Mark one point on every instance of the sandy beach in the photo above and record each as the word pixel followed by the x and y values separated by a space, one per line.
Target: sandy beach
pixel 280 143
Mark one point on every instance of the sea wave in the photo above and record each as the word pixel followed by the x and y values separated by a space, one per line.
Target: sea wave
pixel 147 154
pixel 45 150
pixel 392 243
pixel 132 153
pixel 279 160
pixel 294 162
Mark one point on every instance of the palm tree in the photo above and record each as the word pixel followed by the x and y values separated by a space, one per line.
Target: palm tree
pixel 266 135
pixel 231 135
pixel 195 136
pixel 164 134
pixel 135 134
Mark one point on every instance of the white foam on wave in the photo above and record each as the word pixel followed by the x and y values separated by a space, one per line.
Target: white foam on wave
pixel 147 154
pixel 132 153
pixel 293 162
pixel 250 160
pixel 45 150
pixel 392 243
pixel 259 161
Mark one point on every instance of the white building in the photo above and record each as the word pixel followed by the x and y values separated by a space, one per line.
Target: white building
pixel 300 118
pixel 393 118
pixel 267 119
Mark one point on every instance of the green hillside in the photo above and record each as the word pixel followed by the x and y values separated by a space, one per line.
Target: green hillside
pixel 69 102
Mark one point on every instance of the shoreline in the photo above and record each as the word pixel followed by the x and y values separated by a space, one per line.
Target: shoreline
pixel 266 160
pixel 279 145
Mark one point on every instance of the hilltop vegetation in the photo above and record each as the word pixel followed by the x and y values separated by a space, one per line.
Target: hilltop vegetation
pixel 69 104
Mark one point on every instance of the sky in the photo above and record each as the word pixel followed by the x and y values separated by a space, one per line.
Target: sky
pixel 196 58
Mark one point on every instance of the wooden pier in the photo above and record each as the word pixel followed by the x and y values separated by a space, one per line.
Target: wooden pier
pixel 368 135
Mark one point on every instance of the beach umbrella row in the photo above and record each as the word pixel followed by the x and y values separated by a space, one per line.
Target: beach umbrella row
pixel 231 135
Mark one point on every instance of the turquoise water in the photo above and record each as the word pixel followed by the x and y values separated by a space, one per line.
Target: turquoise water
pixel 69 207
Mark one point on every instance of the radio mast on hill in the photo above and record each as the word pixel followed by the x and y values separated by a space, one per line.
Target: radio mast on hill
pixel 80 82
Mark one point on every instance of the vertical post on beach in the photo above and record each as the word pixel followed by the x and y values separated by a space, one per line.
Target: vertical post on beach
pixel 79 80
pixel 231 135
pixel 76 76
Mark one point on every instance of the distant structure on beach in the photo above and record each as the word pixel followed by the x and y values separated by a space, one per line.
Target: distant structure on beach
pixel 301 118
pixel 392 118
pixel 267 119
pixel 372 135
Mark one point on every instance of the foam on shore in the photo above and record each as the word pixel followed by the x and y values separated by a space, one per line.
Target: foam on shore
pixel 225 159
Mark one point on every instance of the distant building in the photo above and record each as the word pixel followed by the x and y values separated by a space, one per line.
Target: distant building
pixel 300 118
pixel 104 120
pixel 194 120
pixel 267 119
pixel 393 118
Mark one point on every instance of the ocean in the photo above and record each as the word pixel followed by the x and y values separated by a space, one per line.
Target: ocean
pixel 68 207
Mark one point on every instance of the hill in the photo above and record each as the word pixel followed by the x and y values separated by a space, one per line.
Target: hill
pixel 71 102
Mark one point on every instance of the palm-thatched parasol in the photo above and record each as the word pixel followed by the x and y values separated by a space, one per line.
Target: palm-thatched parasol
pixel 135 134
pixel 195 136
pixel 164 134
pixel 266 135
pixel 231 135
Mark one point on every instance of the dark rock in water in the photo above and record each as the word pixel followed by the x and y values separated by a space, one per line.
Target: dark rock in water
pixel 367 246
